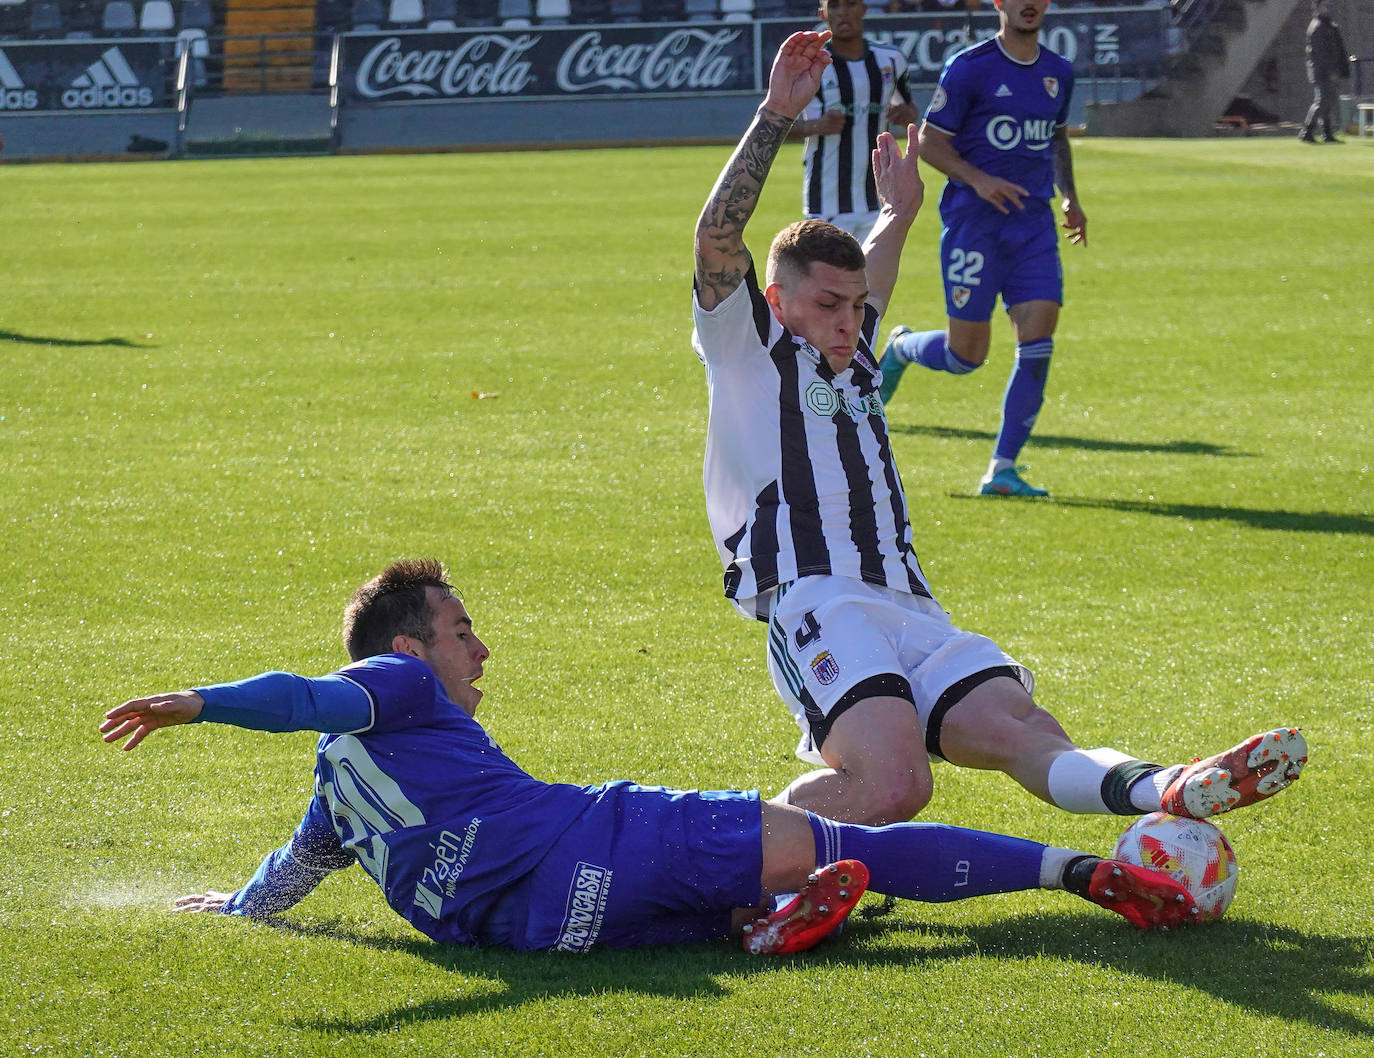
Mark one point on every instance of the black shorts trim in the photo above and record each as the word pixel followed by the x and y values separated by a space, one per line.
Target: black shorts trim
pixel 884 685
pixel 953 695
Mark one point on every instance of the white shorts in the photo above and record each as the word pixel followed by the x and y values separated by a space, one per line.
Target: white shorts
pixel 857 224
pixel 833 641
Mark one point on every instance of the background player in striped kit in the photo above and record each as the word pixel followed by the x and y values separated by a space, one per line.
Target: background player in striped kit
pixel 469 848
pixel 997 127
pixel 857 100
pixel 811 524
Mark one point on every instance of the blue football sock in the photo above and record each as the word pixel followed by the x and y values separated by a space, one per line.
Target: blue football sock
pixel 931 861
pixel 931 349
pixel 1025 394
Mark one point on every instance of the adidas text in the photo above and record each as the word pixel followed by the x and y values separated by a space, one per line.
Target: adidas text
pixel 18 99
pixel 109 96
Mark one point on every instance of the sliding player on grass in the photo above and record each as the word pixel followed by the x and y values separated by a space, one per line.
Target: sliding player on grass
pixel 811 523
pixel 470 849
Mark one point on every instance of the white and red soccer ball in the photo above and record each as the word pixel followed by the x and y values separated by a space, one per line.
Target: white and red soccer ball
pixel 1194 853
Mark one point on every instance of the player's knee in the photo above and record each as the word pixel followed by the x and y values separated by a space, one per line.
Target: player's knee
pixel 893 797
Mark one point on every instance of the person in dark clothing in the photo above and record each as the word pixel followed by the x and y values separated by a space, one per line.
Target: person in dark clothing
pixel 1327 63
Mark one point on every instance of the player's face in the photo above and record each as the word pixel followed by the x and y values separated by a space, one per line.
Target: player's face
pixel 826 307
pixel 1023 16
pixel 844 17
pixel 456 655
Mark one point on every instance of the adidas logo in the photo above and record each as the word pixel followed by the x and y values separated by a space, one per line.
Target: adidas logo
pixel 107 82
pixel 14 93
pixel 1002 92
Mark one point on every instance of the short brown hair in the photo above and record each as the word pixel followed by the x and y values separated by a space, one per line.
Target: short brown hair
pixel 799 245
pixel 393 603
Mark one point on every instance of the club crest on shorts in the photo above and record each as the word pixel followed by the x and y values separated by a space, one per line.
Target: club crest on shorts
pixel 826 668
pixel 959 295
pixel 1052 86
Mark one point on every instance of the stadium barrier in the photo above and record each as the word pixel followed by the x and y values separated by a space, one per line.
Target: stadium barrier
pixel 622 83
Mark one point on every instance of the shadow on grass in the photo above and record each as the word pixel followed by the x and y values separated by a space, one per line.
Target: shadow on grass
pixel 1089 444
pixel 1269 970
pixel 1255 517
pixel 37 339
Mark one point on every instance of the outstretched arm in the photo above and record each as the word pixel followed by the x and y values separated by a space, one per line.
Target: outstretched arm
pixel 1075 220
pixel 721 256
pixel 273 701
pixel 901 192
pixel 937 150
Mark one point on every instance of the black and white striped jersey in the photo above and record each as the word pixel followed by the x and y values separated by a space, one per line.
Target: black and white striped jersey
pixel 799 474
pixel 839 169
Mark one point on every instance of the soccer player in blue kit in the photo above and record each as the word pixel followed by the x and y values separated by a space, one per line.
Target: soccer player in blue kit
pixel 470 849
pixel 997 127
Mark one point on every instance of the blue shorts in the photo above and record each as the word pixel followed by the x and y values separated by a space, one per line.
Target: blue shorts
pixel 984 254
pixel 644 866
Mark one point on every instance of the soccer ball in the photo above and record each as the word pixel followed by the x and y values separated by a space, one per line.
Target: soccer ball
pixel 1194 853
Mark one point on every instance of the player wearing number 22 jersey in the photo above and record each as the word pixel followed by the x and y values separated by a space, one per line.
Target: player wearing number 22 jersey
pixel 997 127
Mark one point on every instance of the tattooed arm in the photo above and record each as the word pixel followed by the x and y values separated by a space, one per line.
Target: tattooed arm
pixel 1075 220
pixel 722 259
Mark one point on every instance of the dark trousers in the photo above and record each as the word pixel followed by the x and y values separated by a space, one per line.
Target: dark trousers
pixel 1323 108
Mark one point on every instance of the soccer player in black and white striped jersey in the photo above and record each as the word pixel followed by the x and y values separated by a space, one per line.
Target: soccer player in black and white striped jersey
pixel 863 92
pixel 812 526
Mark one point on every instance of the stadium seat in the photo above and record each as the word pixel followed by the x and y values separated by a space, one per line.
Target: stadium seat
pixel 737 10
pixel 196 14
pixel 406 13
pixel 119 17
pixel 702 10
pixel 515 12
pixel 626 11
pixel 663 11
pixel 83 18
pixel 194 40
pixel 45 20
pixel 591 10
pixel 14 18
pixel 157 17
pixel 368 14
pixel 553 12
pixel 478 13
pixel 441 11
pixel 441 25
pixel 771 9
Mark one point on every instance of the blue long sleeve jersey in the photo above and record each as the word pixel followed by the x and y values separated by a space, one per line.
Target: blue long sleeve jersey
pixel 407 784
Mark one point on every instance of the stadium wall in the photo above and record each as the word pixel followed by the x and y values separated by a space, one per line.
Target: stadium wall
pixel 519 87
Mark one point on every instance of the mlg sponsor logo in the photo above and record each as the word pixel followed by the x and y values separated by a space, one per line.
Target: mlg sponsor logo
pixel 684 59
pixel 591 886
pixel 486 64
pixel 440 878
pixel 107 82
pixel 14 93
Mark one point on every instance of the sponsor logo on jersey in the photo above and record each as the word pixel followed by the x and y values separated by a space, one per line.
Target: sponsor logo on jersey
pixel 14 93
pixel 440 879
pixel 107 82
pixel 823 399
pixel 1052 86
pixel 587 895
pixel 939 99
pixel 825 667
pixel 1006 133
pixel 960 296
pixel 1002 92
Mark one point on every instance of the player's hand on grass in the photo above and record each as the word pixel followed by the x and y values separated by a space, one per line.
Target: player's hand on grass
pixel 1000 193
pixel 141 717
pixel 1075 222
pixel 796 72
pixel 897 176
pixel 207 901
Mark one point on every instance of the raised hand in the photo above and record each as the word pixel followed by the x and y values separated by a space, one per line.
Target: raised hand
pixel 896 176
pixel 796 72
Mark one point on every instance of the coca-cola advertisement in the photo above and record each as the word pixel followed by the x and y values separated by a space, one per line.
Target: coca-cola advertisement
pixel 553 62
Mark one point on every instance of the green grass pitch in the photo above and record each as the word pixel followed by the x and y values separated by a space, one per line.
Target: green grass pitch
pixel 230 391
